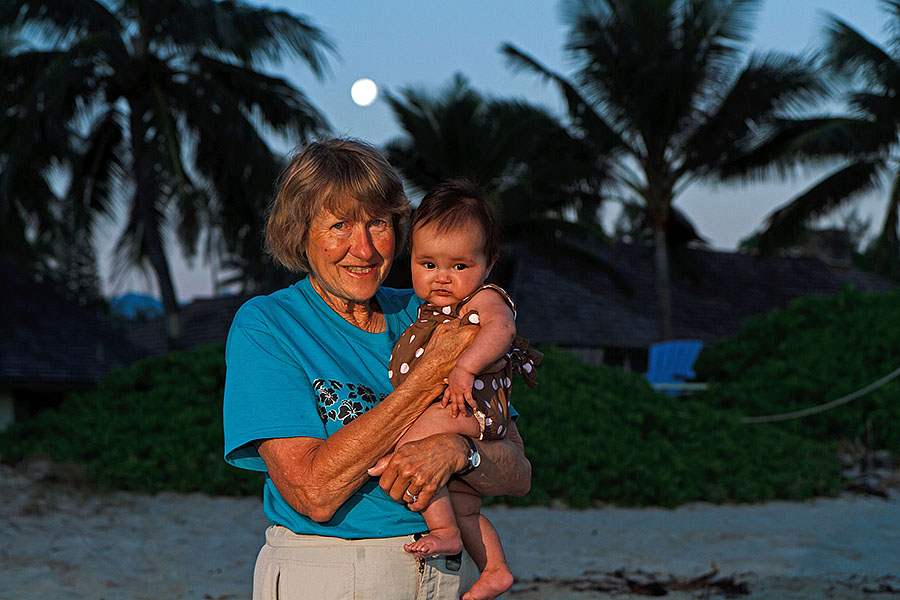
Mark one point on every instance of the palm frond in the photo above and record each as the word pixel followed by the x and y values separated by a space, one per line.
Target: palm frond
pixel 771 88
pixel 130 250
pixel 252 35
pixel 99 169
pixel 878 106
pixel 602 135
pixel 785 225
pixel 272 100
pixel 850 52
pixel 807 142
pixel 57 21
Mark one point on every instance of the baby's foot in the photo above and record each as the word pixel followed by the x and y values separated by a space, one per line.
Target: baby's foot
pixel 438 541
pixel 492 583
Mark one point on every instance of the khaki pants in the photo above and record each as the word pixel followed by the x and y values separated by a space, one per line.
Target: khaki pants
pixel 310 567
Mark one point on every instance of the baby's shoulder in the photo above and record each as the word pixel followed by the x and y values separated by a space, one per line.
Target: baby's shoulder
pixel 487 295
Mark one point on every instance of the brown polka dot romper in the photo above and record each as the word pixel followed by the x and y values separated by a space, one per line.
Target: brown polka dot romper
pixel 491 389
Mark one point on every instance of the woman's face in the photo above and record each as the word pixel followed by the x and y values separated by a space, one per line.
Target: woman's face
pixel 349 258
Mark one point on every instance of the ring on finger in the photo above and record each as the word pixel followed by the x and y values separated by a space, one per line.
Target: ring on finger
pixel 411 495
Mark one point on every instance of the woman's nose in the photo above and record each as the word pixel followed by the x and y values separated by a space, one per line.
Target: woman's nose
pixel 361 245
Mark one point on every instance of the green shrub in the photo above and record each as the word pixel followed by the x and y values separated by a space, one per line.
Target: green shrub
pixel 591 434
pixel 814 351
pixel 598 433
pixel 153 426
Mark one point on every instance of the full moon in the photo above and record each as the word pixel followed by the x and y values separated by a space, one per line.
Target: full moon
pixel 364 91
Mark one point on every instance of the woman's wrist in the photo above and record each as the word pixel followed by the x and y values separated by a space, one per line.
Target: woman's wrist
pixel 472 456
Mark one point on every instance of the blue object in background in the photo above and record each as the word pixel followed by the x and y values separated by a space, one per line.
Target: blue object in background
pixel 672 362
pixel 136 306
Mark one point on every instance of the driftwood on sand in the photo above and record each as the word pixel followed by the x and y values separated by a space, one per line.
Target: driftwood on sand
pixel 644 584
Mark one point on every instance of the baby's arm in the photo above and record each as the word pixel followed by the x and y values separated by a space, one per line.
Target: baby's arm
pixel 498 329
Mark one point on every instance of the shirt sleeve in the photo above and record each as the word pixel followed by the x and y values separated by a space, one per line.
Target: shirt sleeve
pixel 267 393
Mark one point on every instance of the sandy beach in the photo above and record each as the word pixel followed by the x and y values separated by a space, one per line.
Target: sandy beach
pixel 59 540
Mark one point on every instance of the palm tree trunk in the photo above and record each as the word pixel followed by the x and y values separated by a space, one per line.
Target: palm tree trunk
pixel 146 196
pixel 663 280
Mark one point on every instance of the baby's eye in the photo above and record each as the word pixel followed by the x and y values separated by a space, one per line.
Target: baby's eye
pixel 460 267
pixel 428 265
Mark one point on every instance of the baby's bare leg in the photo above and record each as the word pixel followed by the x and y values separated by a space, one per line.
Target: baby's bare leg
pixel 444 535
pixel 483 544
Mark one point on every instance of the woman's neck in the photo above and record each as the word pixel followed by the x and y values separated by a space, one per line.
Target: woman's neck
pixel 365 315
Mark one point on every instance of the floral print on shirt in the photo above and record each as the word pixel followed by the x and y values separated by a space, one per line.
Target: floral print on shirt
pixel 343 402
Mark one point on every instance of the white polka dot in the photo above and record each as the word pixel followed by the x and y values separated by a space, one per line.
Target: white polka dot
pixel 527 367
pixel 419 352
pixel 473 319
pixel 445 310
pixel 487 422
pixel 390 374
pixel 404 368
pixel 494 383
pixel 435 313
pixel 499 429
pixel 412 337
pixel 445 321
pixel 507 382
pixel 479 384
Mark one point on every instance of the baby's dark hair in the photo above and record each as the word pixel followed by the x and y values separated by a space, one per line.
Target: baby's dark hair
pixel 453 204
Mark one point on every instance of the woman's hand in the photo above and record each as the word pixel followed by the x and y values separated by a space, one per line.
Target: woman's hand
pixel 421 468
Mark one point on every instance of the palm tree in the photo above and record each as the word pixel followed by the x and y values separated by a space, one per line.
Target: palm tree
pixel 165 110
pixel 522 156
pixel 667 87
pixel 865 140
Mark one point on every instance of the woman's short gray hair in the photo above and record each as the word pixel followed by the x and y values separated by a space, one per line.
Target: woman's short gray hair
pixel 343 176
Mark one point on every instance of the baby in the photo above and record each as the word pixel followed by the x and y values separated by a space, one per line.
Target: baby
pixel 453 245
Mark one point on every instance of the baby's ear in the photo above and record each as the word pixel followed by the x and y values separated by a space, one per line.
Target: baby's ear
pixel 491 264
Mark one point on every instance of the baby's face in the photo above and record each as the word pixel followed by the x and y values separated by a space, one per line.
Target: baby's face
pixel 447 266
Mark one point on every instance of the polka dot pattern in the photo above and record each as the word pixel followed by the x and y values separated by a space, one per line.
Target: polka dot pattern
pixel 490 390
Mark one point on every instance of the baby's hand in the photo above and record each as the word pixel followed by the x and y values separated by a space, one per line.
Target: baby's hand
pixel 458 392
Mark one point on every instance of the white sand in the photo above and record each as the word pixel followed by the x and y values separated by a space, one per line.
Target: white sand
pixel 58 541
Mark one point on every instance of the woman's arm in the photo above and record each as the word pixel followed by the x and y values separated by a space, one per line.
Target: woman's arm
pixel 316 476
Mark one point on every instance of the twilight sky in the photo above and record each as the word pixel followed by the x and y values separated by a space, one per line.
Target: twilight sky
pixel 422 43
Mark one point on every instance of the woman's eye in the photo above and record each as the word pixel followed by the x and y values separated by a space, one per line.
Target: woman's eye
pixel 340 225
pixel 378 224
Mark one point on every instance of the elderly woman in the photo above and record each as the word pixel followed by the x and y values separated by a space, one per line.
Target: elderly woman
pixel 309 403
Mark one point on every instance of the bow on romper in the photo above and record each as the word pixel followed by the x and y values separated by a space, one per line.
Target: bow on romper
pixel 491 389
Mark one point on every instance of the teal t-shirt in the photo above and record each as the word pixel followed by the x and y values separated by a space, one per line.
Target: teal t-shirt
pixel 295 368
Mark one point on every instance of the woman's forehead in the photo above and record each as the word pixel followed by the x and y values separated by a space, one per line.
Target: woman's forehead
pixel 348 206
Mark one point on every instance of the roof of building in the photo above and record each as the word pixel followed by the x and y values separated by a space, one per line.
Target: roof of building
pixel 47 338
pixel 202 321
pixel 611 301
